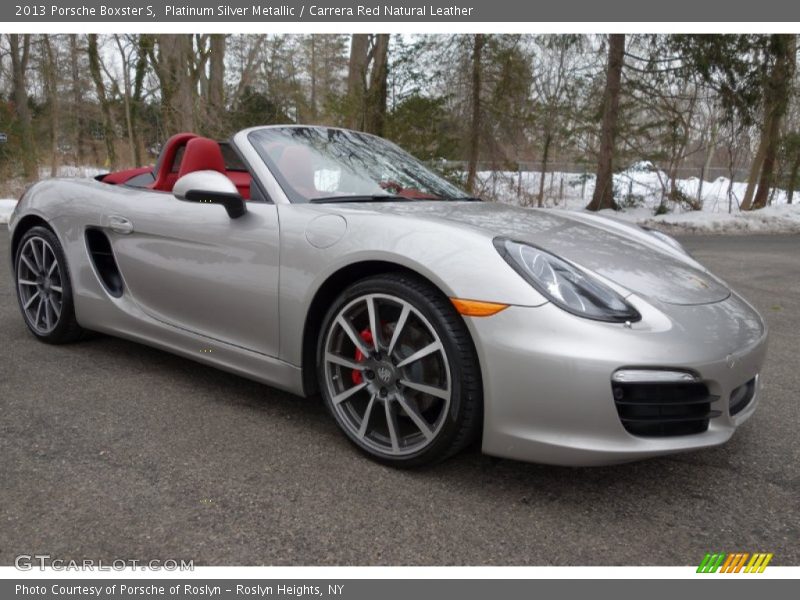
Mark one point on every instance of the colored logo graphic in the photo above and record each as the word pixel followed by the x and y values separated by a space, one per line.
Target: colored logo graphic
pixel 734 562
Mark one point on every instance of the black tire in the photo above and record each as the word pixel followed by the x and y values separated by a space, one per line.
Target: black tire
pixel 461 423
pixel 65 328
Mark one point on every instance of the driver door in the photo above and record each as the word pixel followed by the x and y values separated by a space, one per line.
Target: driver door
pixel 191 266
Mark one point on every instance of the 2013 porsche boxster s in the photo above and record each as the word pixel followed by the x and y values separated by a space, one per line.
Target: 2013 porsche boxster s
pixel 321 260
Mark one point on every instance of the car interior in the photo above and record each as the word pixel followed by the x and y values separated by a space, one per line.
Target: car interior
pixel 182 154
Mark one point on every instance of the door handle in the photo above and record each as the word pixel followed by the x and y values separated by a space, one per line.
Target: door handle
pixel 120 224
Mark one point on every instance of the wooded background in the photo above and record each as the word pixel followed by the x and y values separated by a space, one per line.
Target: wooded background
pixel 710 105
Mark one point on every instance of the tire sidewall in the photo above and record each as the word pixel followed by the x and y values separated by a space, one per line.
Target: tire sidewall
pixel 67 306
pixel 435 314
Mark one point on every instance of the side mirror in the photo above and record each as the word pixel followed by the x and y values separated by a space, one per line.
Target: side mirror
pixel 210 187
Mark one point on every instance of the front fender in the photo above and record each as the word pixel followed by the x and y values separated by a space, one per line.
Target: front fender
pixel 461 261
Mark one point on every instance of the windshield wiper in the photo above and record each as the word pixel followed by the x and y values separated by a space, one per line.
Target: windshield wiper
pixel 466 199
pixel 366 198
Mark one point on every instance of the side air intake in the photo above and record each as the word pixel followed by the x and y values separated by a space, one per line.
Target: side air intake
pixel 105 265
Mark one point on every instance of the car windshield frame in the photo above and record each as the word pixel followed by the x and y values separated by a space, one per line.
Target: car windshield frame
pixel 363 148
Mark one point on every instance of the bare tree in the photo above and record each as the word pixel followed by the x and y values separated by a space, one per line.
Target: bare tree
pixel 20 47
pixel 216 82
pixel 604 183
pixel 367 82
pixel 172 58
pixel 50 80
pixel 95 68
pixel 77 97
pixel 776 98
pixel 478 42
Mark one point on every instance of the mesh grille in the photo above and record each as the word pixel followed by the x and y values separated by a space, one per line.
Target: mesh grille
pixel 664 409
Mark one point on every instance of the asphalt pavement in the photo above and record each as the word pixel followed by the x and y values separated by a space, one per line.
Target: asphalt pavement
pixel 113 450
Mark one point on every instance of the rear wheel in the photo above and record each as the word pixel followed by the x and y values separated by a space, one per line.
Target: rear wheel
pixel 43 288
pixel 398 371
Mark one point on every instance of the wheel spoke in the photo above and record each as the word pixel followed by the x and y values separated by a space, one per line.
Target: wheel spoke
pixel 426 351
pixel 391 425
pixel 372 312
pixel 44 258
pixel 55 307
pixel 47 319
pixel 39 310
pixel 362 431
pixel 56 288
pixel 52 267
pixel 26 282
pixel 39 260
pixel 353 335
pixel 28 264
pixel 426 389
pixel 344 362
pixel 414 414
pixel 30 300
pixel 338 399
pixel 398 328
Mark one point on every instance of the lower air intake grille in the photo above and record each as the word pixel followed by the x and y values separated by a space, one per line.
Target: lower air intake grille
pixel 664 409
pixel 741 396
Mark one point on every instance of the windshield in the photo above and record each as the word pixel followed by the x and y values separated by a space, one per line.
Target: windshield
pixel 317 164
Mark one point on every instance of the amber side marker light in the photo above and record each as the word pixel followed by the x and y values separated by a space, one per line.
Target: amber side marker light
pixel 476 308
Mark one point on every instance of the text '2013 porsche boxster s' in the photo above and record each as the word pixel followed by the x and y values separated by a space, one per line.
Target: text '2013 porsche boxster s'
pixel 321 260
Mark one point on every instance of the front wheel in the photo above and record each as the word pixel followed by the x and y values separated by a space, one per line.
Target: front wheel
pixel 398 371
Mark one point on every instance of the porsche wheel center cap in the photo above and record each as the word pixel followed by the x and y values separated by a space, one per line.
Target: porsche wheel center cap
pixel 384 374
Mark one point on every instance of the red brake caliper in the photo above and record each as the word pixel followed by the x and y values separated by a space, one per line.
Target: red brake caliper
pixel 356 375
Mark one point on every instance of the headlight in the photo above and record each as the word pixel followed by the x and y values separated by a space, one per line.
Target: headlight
pixel 667 239
pixel 565 284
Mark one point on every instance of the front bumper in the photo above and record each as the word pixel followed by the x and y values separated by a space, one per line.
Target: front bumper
pixel 547 377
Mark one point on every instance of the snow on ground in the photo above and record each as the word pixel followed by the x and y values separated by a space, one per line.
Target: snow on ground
pixel 638 190
pixel 6 207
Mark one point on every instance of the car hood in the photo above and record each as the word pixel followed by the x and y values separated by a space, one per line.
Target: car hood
pixel 618 251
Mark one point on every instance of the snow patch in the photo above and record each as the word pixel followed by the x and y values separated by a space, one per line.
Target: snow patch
pixel 6 208
pixel 638 191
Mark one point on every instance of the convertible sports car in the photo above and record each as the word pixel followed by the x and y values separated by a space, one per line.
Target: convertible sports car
pixel 321 260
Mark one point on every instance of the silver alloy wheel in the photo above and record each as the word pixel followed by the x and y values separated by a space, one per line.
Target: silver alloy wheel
pixel 387 374
pixel 39 285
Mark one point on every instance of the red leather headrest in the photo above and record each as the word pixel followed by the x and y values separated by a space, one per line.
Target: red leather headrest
pixel 295 164
pixel 201 154
pixel 165 177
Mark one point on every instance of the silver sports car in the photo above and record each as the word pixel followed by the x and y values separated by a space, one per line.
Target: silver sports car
pixel 322 260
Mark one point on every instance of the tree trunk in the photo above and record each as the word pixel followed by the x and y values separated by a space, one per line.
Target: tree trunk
pixel 712 144
pixel 144 46
pixel 375 116
pixel 216 82
pixel 105 105
pixel 755 166
pixel 313 69
pixel 51 89
pixel 793 172
pixel 603 196
pixel 357 80
pixel 77 99
pixel 20 52
pixel 548 138
pixel 778 93
pixel 173 64
pixel 475 121
pixel 127 98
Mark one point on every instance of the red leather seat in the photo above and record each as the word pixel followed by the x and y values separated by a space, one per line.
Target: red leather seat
pixel 165 175
pixel 296 165
pixel 201 154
